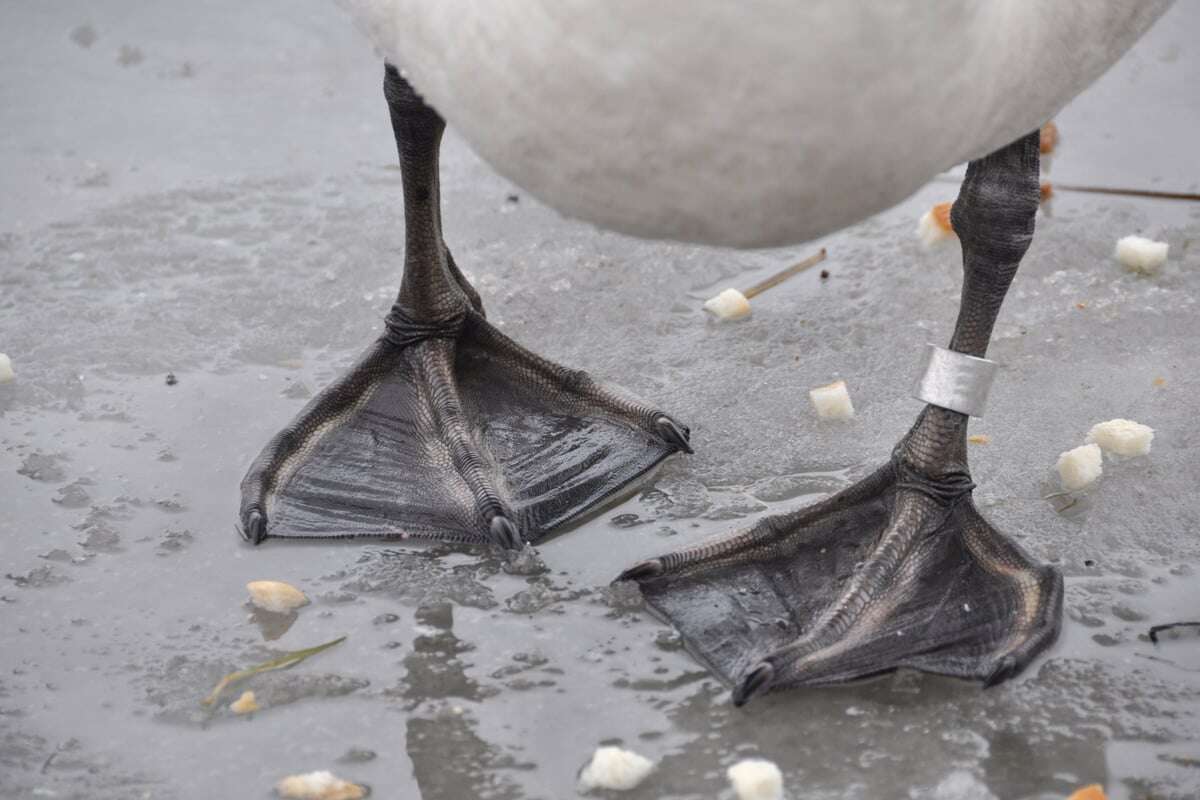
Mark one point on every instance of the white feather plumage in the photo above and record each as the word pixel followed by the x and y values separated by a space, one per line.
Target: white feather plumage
pixel 746 124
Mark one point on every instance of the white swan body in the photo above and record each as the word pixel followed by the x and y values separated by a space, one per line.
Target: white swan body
pixel 745 124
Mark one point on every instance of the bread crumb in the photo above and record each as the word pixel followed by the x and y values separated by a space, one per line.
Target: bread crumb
pixel 1081 306
pixel 1141 255
pixel 832 401
pixel 1093 792
pixel 321 785
pixel 1160 382
pixel 1122 437
pixel 614 768
pixel 1080 467
pixel 756 779
pixel 244 704
pixel 934 225
pixel 941 215
pixel 1048 138
pixel 729 304
pixel 1045 191
pixel 979 438
pixel 6 370
pixel 276 596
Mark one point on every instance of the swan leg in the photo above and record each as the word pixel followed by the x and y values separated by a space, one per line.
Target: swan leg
pixel 899 570
pixel 447 429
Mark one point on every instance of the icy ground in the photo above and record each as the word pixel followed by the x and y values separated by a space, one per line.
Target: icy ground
pixel 212 193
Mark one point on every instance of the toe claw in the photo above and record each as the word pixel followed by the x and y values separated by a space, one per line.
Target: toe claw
pixel 674 433
pixel 505 534
pixel 754 682
pixel 254 526
pixel 651 568
pixel 1004 669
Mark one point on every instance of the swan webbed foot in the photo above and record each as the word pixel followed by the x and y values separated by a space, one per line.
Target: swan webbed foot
pixel 899 570
pixel 884 575
pixel 447 429
pixel 462 436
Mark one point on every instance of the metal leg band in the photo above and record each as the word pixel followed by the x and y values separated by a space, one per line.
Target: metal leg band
pixel 955 381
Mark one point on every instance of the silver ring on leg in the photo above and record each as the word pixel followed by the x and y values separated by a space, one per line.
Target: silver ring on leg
pixel 955 381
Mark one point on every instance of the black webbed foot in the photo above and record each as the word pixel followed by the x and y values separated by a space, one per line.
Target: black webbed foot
pixel 445 428
pixel 466 438
pixel 899 570
pixel 877 577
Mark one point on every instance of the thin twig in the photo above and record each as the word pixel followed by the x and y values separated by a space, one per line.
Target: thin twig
pixel 1157 195
pixel 1113 190
pixel 780 277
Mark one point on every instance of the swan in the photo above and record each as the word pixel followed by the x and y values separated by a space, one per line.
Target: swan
pixel 743 125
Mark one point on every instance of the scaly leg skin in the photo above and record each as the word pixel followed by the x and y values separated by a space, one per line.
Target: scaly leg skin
pixel 447 429
pixel 899 570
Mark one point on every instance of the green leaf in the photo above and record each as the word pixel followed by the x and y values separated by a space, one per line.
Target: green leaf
pixel 283 662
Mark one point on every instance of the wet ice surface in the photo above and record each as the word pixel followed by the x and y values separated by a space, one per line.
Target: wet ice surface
pixel 122 597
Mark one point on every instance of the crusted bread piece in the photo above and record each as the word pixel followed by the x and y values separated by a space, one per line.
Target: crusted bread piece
pixel 934 225
pixel 832 401
pixel 321 785
pixel 244 704
pixel 276 596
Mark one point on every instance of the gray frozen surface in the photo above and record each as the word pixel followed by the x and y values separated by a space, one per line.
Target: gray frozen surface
pixel 212 192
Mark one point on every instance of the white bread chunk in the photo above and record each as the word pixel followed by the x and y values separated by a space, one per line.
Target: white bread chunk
pixel 1141 255
pixel 832 401
pixel 756 779
pixel 1080 467
pixel 614 768
pixel 729 304
pixel 1122 437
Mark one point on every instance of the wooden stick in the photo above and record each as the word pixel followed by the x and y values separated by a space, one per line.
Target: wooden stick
pixel 1114 190
pixel 1067 187
pixel 780 277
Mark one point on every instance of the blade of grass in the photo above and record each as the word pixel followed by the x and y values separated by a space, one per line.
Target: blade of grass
pixel 283 662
